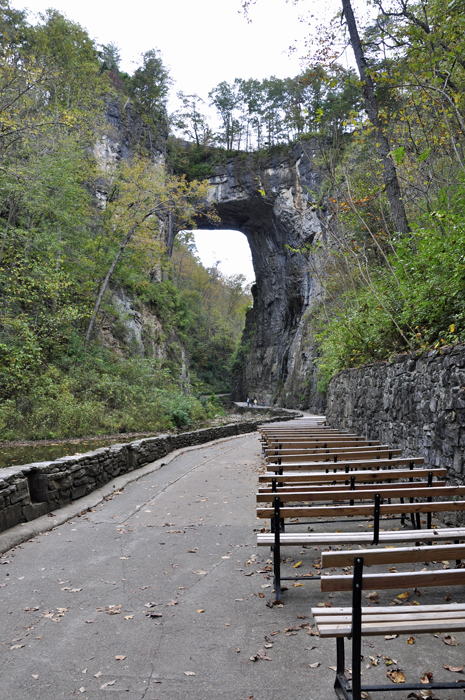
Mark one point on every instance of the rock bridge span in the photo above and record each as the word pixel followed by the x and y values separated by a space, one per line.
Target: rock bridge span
pixel 270 199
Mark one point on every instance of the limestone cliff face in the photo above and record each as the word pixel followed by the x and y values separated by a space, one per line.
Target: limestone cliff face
pixel 271 200
pixel 129 326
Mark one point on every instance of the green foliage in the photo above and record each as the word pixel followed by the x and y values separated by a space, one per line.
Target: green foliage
pixel 413 302
pixel 97 393
pixel 215 310
pixel 63 259
pixel 196 162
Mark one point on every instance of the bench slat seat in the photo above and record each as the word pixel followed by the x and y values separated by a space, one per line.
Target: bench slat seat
pixel 403 555
pixel 330 488
pixel 359 475
pixel 436 622
pixel 335 456
pixel 397 491
pixel 366 510
pixel 404 579
pixel 266 539
pixel 355 463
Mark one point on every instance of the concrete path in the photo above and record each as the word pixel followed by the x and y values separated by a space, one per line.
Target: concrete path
pixel 156 594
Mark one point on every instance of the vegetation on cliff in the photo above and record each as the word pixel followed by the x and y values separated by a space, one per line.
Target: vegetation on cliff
pixel 77 229
pixel 390 287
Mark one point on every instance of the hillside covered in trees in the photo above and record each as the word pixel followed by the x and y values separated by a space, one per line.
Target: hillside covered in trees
pixel 81 234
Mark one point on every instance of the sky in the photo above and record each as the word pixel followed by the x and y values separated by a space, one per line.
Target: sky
pixel 202 43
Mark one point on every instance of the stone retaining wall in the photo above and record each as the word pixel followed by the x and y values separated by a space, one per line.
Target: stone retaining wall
pixel 415 402
pixel 32 490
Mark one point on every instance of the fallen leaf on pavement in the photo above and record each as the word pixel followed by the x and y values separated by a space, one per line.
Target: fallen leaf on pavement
pixel 201 610
pixel 120 657
pixel 111 609
pixel 391 636
pixel 201 572
pixel 404 596
pixel 172 602
pixel 315 665
pixel 396 676
pixel 411 640
pixel 454 669
pixel 105 685
pixel 427 677
pixel 189 673
pixel 450 640
pixel 128 617
pixel 17 646
pixel 262 654
pixel 296 566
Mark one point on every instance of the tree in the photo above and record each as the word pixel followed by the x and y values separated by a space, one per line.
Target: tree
pixel 391 182
pixel 191 122
pixel 141 194
pixel 150 85
pixel 226 99
pixel 110 56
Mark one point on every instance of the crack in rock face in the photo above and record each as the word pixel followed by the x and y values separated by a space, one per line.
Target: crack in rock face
pixel 271 201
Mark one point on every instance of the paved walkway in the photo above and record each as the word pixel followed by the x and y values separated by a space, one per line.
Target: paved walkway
pixel 155 595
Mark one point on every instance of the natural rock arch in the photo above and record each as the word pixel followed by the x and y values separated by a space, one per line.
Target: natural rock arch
pixel 276 364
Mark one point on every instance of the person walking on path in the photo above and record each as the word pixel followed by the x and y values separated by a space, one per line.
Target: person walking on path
pixel 248 402
pixel 255 403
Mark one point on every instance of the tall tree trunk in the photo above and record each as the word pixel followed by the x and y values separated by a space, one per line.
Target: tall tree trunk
pixel 104 286
pixel 391 182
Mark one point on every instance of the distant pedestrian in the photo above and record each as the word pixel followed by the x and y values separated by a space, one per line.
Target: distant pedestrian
pixel 255 403
pixel 248 402
pixel 263 403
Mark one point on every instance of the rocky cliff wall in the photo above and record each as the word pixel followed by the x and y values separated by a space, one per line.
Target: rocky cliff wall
pixel 271 200
pixel 415 402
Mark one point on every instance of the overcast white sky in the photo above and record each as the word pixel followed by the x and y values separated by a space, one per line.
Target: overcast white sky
pixel 203 42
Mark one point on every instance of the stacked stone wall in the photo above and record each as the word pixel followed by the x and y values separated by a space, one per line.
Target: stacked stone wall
pixel 415 402
pixel 32 490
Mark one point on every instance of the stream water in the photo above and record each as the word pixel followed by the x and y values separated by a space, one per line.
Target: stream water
pixel 40 452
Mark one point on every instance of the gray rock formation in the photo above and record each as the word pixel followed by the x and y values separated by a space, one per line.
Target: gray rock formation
pixel 270 199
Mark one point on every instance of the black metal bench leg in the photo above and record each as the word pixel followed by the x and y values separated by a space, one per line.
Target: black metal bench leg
pixel 277 551
pixel 340 684
pixel 357 630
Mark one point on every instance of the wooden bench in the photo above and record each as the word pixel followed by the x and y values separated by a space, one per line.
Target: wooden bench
pixel 347 464
pixel 334 455
pixel 357 475
pixel 277 538
pixel 357 621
